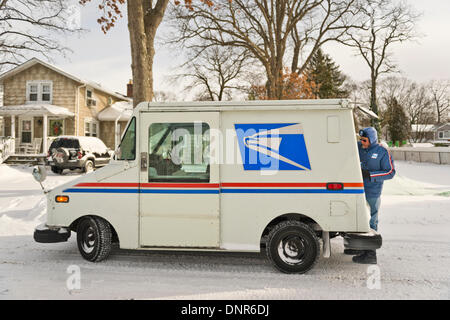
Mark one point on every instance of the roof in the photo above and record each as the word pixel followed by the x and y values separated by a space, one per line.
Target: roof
pixel 36 109
pixel 120 111
pixel 443 126
pixel 422 127
pixel 34 61
pixel 306 104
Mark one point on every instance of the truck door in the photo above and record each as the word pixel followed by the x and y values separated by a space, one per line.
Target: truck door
pixel 179 187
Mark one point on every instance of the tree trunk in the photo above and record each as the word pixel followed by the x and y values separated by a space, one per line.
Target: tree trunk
pixel 143 22
pixel 373 104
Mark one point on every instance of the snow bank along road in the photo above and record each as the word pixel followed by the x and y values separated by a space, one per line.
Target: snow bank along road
pixel 413 263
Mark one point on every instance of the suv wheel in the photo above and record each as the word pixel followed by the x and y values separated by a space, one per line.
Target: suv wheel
pixel 88 166
pixel 56 170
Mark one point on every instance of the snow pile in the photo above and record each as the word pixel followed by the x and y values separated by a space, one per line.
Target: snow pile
pixel 418 179
pixel 22 202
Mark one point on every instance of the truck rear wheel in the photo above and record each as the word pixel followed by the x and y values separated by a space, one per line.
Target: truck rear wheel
pixel 293 247
pixel 94 237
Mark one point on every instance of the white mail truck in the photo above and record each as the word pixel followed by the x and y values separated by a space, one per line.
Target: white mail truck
pixel 279 176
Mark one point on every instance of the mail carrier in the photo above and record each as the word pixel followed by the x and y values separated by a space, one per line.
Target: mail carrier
pixel 279 176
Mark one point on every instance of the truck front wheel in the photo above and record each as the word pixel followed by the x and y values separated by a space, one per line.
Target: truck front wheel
pixel 94 237
pixel 293 247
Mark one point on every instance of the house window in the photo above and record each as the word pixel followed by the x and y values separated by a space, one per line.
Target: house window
pixel 55 127
pixel 33 92
pixel 39 91
pixel 90 98
pixel 91 128
pixel 46 92
pixel 441 134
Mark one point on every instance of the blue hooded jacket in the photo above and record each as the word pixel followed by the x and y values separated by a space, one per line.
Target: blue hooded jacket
pixel 378 161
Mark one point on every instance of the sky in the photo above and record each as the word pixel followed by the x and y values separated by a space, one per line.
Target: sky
pixel 106 59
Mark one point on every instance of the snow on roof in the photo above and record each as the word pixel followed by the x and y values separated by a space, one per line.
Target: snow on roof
pixel 121 110
pixel 36 109
pixel 422 127
pixel 90 144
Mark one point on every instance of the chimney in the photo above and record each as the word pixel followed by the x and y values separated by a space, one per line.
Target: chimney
pixel 130 89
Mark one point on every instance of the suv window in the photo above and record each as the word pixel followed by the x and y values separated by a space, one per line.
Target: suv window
pixel 65 143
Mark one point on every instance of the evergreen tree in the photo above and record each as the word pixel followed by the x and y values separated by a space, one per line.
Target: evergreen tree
pixel 327 77
pixel 396 120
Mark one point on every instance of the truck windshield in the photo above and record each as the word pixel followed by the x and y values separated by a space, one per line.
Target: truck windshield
pixel 128 144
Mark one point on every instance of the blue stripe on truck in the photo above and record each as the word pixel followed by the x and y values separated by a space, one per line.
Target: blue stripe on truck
pixel 209 191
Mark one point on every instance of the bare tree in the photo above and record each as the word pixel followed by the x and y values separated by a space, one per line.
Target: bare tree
pixel 29 27
pixel 440 96
pixel 385 22
pixel 164 96
pixel 217 71
pixel 415 99
pixel 144 19
pixel 267 30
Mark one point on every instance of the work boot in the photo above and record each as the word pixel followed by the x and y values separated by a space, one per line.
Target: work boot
pixel 353 252
pixel 368 257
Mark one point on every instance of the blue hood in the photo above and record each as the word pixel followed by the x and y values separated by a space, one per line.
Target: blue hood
pixel 370 133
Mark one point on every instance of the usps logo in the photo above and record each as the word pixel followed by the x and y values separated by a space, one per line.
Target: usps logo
pixel 272 146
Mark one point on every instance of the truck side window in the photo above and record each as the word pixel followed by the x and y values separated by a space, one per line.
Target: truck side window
pixel 178 152
pixel 128 144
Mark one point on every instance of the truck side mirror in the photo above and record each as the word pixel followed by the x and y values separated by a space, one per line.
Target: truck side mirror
pixel 39 173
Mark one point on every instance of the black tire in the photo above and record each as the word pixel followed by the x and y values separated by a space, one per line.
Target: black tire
pixel 56 170
pixel 89 166
pixel 293 247
pixel 94 238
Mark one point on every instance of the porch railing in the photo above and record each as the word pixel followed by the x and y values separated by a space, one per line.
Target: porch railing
pixel 6 148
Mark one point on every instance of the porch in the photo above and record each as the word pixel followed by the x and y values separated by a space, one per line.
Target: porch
pixel 28 130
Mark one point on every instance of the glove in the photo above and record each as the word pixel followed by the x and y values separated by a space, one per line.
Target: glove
pixel 365 174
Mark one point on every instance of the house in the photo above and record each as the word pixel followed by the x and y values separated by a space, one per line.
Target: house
pixel 442 132
pixel 434 133
pixel 41 102
pixel 422 132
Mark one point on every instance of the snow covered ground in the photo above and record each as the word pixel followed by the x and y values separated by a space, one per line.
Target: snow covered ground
pixel 413 263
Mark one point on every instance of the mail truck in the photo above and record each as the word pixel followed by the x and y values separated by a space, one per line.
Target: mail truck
pixel 279 176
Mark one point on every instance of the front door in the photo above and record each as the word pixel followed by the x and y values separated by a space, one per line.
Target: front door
pixel 179 187
pixel 26 130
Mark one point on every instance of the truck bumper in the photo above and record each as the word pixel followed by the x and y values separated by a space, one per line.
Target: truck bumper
pixel 44 234
pixel 363 241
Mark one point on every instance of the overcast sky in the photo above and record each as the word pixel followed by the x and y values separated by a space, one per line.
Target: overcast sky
pixel 106 58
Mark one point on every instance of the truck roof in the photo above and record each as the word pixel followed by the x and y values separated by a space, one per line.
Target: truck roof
pixel 310 104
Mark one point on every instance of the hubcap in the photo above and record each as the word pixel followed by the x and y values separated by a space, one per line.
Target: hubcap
pixel 291 249
pixel 88 243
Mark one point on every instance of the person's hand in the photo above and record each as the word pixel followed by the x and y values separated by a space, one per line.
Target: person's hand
pixel 365 174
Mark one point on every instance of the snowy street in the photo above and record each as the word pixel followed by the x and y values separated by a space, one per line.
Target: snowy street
pixel 413 263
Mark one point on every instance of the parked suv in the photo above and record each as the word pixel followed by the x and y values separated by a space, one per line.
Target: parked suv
pixel 72 152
